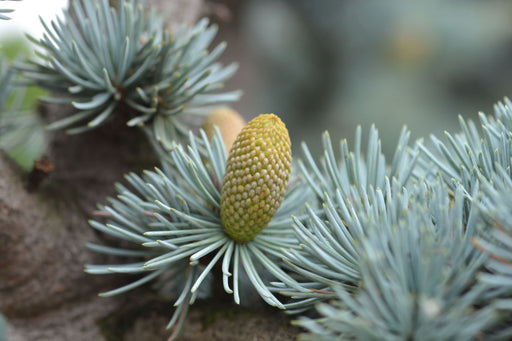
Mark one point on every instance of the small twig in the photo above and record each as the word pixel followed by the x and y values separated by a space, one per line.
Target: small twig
pixel 101 214
pixel 323 291
pixel 494 256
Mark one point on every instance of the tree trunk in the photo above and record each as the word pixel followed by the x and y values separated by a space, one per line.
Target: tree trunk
pixel 44 292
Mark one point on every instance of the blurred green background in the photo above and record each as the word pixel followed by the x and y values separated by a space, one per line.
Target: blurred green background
pixel 21 132
pixel 335 64
pixel 26 142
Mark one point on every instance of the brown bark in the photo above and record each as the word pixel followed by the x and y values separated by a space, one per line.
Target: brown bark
pixel 44 292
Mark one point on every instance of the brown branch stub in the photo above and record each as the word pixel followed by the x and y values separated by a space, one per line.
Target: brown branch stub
pixel 327 292
pixel 40 171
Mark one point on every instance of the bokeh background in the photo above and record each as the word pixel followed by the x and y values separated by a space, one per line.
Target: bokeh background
pixel 335 64
pixel 14 46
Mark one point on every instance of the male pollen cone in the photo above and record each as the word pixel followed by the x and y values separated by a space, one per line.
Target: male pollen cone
pixel 257 171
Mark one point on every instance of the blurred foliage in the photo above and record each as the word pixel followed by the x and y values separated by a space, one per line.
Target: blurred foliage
pixel 26 142
pixel 3 329
pixel 336 63
pixel 14 46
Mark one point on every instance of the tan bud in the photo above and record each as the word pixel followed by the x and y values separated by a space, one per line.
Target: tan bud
pixel 229 123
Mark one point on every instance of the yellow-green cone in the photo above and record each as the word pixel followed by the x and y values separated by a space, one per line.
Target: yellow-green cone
pixel 257 172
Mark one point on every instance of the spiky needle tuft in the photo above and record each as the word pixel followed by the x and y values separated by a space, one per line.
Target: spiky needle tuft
pixel 121 61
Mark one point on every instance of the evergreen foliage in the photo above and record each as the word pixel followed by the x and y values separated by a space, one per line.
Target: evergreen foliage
pixel 496 239
pixel 417 271
pixel 3 328
pixel 327 257
pixel 472 155
pixel 434 264
pixel 175 216
pixel 418 247
pixel 5 84
pixel 20 129
pixel 123 62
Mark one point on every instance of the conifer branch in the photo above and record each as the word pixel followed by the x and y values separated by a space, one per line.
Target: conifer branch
pixel 122 62
pixel 183 238
pixel 430 258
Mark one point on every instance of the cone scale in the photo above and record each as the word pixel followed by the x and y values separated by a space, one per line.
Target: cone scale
pixel 257 171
